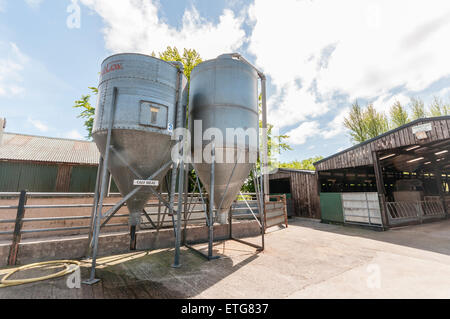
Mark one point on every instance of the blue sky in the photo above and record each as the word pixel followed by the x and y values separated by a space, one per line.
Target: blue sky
pixel 319 56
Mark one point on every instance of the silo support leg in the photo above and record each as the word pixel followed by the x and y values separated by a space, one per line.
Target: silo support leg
pixel 209 216
pixel 110 213
pixel 120 203
pixel 176 263
pixel 149 218
pixel 94 208
pixel 211 201
pixel 104 184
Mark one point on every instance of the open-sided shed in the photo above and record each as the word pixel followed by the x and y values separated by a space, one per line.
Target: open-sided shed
pixel 398 178
pixel 300 187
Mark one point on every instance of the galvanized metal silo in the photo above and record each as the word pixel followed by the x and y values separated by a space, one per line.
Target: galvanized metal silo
pixel 224 95
pixel 145 115
pixel 141 100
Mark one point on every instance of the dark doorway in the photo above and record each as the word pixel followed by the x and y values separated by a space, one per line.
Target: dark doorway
pixel 280 186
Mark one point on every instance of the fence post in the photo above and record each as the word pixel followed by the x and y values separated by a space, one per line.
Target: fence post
pixel 420 211
pixel 17 229
pixel 284 200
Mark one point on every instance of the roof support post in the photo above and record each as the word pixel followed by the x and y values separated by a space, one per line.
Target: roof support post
pixel 381 190
pixel 438 175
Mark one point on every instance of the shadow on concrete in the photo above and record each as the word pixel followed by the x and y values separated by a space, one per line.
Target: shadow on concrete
pixel 432 236
pixel 151 275
pixel 145 275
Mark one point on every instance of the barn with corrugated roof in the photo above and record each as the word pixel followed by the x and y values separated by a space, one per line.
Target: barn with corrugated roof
pixel 398 178
pixel 47 164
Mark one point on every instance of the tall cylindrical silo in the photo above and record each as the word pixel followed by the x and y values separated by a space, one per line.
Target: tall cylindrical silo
pixel 224 99
pixel 145 116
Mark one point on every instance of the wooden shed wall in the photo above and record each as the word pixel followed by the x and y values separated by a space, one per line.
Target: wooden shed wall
pixel 304 192
pixel 362 155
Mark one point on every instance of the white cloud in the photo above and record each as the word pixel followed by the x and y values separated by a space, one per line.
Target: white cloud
pixel 299 135
pixel 305 130
pixel 293 105
pixel 134 25
pixel 12 64
pixel 38 124
pixel 2 5
pixel 384 102
pixel 34 3
pixel 445 93
pixel 315 50
pixel 74 134
pixel 336 126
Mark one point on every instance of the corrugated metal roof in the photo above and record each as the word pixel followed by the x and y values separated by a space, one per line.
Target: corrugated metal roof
pixel 282 169
pixel 407 125
pixel 22 147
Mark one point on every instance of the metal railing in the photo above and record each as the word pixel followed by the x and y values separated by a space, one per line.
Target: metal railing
pixel 404 212
pixel 155 210
pixel 154 216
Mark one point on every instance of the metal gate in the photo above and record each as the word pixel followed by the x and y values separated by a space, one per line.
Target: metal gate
pixel 414 211
pixel 361 208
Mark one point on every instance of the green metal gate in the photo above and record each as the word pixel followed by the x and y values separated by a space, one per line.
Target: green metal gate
pixel 331 207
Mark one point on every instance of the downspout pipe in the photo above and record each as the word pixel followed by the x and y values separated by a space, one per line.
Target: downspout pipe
pixel 265 159
pixel 180 123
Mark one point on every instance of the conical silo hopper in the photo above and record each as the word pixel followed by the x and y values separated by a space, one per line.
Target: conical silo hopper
pixel 224 95
pixel 145 113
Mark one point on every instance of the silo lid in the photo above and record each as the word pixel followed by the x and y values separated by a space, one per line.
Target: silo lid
pixel 226 56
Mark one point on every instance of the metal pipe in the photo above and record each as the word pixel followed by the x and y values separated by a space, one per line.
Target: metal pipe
pixel 203 200
pixel 265 167
pixel 265 161
pixel 252 212
pixel 176 262
pixel 43 230
pixel 93 212
pixel 186 206
pixel 134 191
pixel 240 57
pixel 180 124
pixel 99 209
pixel 52 219
pixel 75 206
pixel 29 195
pixel 211 200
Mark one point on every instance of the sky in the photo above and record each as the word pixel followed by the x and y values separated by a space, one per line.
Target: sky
pixel 319 56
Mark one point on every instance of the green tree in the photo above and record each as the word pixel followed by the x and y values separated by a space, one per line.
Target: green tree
pixel 87 110
pixel 399 115
pixel 190 58
pixel 376 122
pixel 306 164
pixel 356 124
pixel 438 107
pixel 365 123
pixel 275 143
pixel 417 108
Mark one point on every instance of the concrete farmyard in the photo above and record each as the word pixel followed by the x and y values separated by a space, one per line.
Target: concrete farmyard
pixel 307 260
